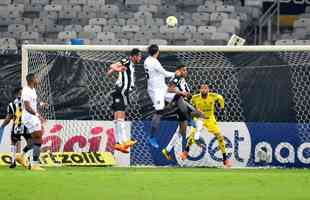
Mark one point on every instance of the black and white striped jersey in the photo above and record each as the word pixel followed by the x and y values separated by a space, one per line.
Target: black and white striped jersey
pixel 15 109
pixel 126 79
pixel 180 83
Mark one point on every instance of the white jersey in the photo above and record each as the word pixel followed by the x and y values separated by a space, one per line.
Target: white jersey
pixel 29 95
pixel 156 74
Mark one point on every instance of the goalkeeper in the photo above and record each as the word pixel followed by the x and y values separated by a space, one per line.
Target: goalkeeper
pixel 206 102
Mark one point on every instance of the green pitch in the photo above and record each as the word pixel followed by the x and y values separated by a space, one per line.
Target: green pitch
pixel 154 183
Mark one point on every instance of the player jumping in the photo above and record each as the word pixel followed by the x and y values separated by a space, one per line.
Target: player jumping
pixel 156 88
pixel 124 85
pixel 14 112
pixel 206 102
pixel 180 93
pixel 32 120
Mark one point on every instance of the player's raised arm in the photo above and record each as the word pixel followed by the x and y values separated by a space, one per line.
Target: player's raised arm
pixel 116 67
pixel 160 69
pixel 154 52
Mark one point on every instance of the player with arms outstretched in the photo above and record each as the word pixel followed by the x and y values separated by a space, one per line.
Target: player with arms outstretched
pixel 206 102
pixel 14 113
pixel 123 86
pixel 32 120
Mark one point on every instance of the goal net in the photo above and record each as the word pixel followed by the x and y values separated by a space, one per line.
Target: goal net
pixel 259 84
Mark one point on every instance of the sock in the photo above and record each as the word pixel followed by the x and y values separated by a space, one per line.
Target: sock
pixel 118 131
pixel 184 142
pixel 224 157
pixel 192 133
pixel 221 142
pixel 155 124
pixel 123 131
pixel 172 142
pixel 13 151
pixel 36 153
pixel 199 126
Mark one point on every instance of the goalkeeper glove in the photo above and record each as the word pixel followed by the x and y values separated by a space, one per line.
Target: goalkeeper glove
pixel 1 133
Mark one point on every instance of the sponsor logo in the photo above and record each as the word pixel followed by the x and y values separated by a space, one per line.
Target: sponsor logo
pixel 76 136
pixel 85 137
pixel 69 158
pixel 284 153
pixel 238 146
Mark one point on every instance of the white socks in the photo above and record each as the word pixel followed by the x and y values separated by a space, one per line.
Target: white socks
pixel 13 151
pixel 199 126
pixel 173 140
pixel 120 129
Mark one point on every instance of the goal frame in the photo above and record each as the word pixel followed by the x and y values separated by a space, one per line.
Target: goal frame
pixel 165 48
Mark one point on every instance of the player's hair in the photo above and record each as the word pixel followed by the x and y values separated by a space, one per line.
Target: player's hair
pixel 135 52
pixel 204 84
pixel 30 77
pixel 153 49
pixel 16 90
pixel 180 66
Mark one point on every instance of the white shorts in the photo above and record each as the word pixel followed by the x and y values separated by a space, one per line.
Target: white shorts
pixel 32 123
pixel 159 97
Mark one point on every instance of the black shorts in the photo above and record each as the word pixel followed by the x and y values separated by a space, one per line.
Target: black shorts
pixel 181 117
pixel 16 137
pixel 120 100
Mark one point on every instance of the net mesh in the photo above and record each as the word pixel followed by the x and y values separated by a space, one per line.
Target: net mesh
pixel 94 88
pixel 299 68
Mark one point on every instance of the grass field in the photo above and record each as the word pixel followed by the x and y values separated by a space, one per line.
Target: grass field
pixel 154 183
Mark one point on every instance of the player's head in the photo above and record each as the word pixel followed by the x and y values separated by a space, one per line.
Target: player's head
pixel 32 80
pixel 204 89
pixel 18 92
pixel 181 70
pixel 153 50
pixel 135 56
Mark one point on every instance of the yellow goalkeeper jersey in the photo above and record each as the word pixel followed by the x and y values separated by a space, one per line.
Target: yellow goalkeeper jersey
pixel 207 106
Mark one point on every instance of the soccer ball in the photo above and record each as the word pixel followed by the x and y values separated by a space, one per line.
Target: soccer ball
pixel 172 21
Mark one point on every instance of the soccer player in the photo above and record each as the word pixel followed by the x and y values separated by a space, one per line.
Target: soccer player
pixel 14 112
pixel 32 120
pixel 206 102
pixel 156 88
pixel 180 92
pixel 178 88
pixel 123 86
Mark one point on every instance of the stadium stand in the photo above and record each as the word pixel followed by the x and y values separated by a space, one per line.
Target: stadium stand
pixel 205 22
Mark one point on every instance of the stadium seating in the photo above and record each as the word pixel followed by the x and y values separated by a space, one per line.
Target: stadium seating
pixel 126 22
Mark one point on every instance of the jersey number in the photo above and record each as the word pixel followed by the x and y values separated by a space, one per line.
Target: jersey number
pixel 147 74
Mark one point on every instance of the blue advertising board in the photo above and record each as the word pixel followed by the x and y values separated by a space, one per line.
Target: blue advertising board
pixel 248 145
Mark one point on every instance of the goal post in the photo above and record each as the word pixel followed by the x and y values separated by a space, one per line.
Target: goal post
pixel 259 83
